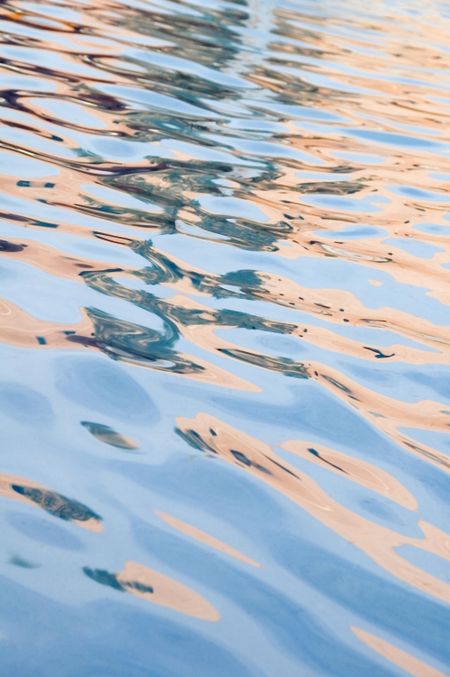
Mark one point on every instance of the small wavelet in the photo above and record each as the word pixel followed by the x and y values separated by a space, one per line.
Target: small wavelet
pixel 224 338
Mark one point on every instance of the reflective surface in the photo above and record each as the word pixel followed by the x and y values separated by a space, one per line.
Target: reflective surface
pixel 224 310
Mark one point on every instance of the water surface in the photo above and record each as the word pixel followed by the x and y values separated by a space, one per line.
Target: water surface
pixel 224 343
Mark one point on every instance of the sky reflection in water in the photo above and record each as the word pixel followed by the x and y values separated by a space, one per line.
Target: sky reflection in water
pixel 224 386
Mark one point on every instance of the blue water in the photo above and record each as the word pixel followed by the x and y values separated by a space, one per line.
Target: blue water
pixel 224 338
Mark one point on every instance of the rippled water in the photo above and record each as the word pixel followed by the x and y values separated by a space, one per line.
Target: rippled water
pixel 224 396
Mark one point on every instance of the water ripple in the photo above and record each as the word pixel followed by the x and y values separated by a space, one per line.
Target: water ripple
pixel 225 274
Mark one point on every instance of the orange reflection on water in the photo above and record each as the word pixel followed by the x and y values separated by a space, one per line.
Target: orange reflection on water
pixel 205 538
pixel 367 475
pixel 386 413
pixel 51 260
pixel 389 414
pixel 377 542
pixel 32 493
pixel 412 665
pixel 19 328
pixel 339 306
pixel 148 584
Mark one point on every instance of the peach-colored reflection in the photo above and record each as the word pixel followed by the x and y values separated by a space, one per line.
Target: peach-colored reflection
pixel 52 261
pixel 94 38
pixel 21 329
pixel 386 413
pixel 337 306
pixel 205 538
pixel 166 592
pixel 334 306
pixel 379 543
pixel 395 352
pixel 361 472
pixel 37 495
pixel 412 665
